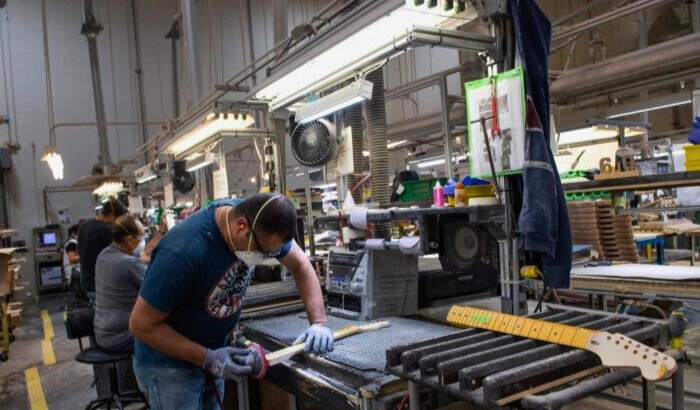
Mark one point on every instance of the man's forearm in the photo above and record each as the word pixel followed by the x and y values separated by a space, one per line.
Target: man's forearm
pixel 310 291
pixel 165 339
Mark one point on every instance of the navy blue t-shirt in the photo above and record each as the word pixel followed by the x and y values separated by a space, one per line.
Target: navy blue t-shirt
pixel 196 279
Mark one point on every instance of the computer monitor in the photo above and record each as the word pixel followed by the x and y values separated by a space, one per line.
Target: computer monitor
pixel 47 239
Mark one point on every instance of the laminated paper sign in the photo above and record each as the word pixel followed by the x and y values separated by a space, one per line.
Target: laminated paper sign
pixel 508 149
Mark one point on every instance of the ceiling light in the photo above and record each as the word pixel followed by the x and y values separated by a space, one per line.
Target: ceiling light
pixel 597 132
pixel 53 158
pixel 109 189
pixel 652 108
pixel 145 174
pixel 355 93
pixel 373 42
pixel 393 145
pixel 326 186
pixel 431 162
pixel 213 125
pixel 365 153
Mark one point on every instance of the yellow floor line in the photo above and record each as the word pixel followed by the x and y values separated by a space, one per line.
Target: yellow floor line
pixel 47 344
pixel 47 352
pixel 48 327
pixel 34 390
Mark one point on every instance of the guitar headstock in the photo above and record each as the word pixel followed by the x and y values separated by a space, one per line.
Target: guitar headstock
pixel 617 350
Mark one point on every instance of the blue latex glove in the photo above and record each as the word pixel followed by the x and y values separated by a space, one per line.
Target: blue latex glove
pixel 694 136
pixel 318 338
pixel 228 362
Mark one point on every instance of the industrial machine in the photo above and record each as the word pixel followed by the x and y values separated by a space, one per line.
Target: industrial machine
pixel 48 258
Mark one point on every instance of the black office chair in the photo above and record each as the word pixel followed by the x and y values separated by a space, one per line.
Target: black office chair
pixel 79 324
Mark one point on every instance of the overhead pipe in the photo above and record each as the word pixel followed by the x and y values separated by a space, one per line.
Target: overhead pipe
pixel 139 74
pixel 189 21
pixel 90 29
pixel 173 35
pixel 677 54
pixel 564 32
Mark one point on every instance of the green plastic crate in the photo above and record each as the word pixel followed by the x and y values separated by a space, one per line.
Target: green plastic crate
pixel 419 190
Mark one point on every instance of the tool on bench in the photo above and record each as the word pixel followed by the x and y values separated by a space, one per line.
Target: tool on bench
pixel 264 360
pixel 614 350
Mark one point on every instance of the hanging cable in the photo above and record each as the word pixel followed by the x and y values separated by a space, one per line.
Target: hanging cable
pixel 47 70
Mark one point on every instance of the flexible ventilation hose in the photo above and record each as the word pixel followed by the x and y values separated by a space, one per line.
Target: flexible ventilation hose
pixel 353 118
pixel 379 157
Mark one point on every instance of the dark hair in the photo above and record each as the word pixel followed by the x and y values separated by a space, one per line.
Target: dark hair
pixel 73 230
pixel 113 207
pixel 124 226
pixel 278 217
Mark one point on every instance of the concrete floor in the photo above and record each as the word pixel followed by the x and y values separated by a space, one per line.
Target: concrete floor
pixel 66 384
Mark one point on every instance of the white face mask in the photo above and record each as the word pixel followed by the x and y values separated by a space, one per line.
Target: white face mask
pixel 249 257
pixel 139 248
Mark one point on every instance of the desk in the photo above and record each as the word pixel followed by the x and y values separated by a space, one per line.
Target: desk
pixel 646 240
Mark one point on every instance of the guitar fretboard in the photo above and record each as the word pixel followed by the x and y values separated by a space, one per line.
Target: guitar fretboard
pixel 520 326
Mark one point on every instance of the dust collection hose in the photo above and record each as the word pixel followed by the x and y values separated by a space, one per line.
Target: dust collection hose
pixel 379 157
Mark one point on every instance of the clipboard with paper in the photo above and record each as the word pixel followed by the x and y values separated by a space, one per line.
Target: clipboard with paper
pixel 506 130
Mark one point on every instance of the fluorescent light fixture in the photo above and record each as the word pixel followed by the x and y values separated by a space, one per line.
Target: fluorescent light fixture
pixel 145 174
pixel 213 125
pixel 355 93
pixel 431 162
pixel 146 179
pixel 597 132
pixel 109 189
pixel 326 186
pixel 98 207
pixel 53 158
pixel 653 108
pixel 395 144
pixel 355 52
pixel 199 165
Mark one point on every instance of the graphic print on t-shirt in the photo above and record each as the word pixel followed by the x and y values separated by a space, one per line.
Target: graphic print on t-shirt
pixel 226 297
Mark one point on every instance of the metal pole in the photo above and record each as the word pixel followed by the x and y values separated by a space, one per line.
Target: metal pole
pixel 678 389
pixel 139 74
pixel 174 34
pixel 695 15
pixel 280 132
pixel 413 396
pixel 643 95
pixel 90 29
pixel 648 395
pixel 243 399
pixel 251 44
pixel 191 42
pixel 446 128
pixel 309 214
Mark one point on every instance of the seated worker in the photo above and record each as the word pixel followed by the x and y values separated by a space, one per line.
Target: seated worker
pixel 71 258
pixel 192 296
pixel 93 237
pixel 118 277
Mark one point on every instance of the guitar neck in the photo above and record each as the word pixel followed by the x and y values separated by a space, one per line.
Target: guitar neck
pixel 520 326
pixel 614 350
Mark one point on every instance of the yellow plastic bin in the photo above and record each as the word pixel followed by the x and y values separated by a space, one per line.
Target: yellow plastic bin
pixel 692 157
pixel 478 191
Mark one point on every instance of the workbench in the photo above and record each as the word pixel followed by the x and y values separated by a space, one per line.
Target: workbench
pixel 352 376
pixel 362 372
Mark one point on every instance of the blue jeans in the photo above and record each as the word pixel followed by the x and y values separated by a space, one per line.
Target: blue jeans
pixel 175 388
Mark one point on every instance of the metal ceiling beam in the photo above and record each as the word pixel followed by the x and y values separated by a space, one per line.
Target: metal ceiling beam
pixel 675 55
pixel 564 32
